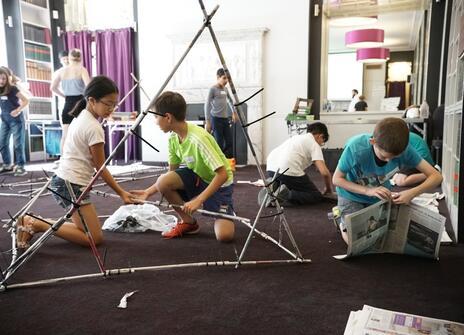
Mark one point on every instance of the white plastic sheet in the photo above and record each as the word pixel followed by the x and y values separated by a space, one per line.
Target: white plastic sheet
pixel 139 218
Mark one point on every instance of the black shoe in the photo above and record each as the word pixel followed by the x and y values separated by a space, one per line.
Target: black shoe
pixel 280 193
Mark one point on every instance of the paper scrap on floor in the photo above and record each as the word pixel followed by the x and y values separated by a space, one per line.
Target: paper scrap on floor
pixel 123 302
pixel 258 183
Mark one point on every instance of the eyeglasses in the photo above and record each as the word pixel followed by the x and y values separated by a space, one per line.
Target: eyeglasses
pixel 110 106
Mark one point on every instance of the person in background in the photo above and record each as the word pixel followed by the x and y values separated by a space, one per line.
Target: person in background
pixel 217 115
pixel 361 105
pixel 354 100
pixel 291 159
pixel 412 176
pixel 64 59
pixel 73 78
pixel 12 104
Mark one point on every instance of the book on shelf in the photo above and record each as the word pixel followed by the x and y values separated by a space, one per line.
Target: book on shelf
pixel 40 89
pixel 40 107
pixel 37 52
pixel 37 34
pixel 38 71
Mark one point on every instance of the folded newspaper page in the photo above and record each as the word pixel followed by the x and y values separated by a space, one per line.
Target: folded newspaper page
pixel 388 228
pixel 376 321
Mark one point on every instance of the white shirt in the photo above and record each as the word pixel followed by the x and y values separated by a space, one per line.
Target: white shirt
pixel 297 154
pixel 76 163
pixel 352 103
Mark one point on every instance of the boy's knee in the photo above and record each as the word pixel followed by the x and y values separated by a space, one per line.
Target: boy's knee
pixel 224 230
pixel 162 183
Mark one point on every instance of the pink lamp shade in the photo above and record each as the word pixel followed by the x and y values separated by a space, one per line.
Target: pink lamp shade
pixel 372 55
pixel 364 38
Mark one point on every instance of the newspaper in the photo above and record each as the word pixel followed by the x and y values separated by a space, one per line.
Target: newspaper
pixel 376 321
pixel 388 228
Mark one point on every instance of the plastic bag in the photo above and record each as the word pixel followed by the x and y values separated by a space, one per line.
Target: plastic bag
pixel 139 218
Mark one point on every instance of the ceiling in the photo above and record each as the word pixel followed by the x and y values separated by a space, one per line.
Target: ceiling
pixel 400 19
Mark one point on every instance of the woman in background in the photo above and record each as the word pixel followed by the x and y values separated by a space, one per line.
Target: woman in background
pixel 12 103
pixel 73 79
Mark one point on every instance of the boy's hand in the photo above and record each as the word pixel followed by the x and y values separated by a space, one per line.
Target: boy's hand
pixel 403 197
pixel 15 112
pixel 208 126
pixel 234 117
pixel 139 194
pixel 192 206
pixel 127 198
pixel 379 192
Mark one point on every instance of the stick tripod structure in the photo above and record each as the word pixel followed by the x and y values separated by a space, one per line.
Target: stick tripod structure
pixel 19 261
pixel 237 104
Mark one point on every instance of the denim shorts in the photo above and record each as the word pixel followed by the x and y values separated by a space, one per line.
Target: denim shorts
pixel 221 201
pixel 59 186
pixel 347 206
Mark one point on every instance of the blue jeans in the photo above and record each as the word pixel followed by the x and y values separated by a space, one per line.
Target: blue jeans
pixel 16 126
pixel 222 133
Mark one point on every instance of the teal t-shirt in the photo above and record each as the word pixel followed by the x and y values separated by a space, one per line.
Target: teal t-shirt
pixel 421 147
pixel 358 164
pixel 200 152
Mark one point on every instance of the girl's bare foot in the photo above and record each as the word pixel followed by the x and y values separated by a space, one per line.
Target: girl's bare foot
pixel 24 231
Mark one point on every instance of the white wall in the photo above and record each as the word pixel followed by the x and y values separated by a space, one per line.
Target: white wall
pixel 3 56
pixel 343 64
pixel 285 48
pixel 374 85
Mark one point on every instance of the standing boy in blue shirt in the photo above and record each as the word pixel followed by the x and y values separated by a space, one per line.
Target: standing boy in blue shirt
pixel 409 177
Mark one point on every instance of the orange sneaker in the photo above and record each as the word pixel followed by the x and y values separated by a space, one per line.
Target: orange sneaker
pixel 180 229
pixel 232 164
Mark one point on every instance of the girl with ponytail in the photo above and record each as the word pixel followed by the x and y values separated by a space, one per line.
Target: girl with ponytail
pixel 83 153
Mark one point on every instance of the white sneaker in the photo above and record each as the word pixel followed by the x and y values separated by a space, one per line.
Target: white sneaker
pixel 20 171
pixel 6 168
pixel 56 164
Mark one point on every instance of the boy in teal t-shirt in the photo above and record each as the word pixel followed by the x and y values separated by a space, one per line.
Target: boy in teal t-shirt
pixel 206 180
pixel 369 162
pixel 411 176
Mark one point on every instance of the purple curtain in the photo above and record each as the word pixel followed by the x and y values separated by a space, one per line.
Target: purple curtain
pixel 115 60
pixel 81 40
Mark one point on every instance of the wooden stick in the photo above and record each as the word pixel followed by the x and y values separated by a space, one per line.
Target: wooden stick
pixel 115 272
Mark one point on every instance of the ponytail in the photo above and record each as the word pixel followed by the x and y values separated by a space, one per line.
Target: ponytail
pixel 98 87
pixel 78 107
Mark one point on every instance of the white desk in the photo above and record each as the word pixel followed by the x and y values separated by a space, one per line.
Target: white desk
pixel 344 125
pixel 123 126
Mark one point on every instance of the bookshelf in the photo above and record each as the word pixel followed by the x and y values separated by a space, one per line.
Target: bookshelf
pixel 38 57
pixel 32 40
pixel 38 62
pixel 452 166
